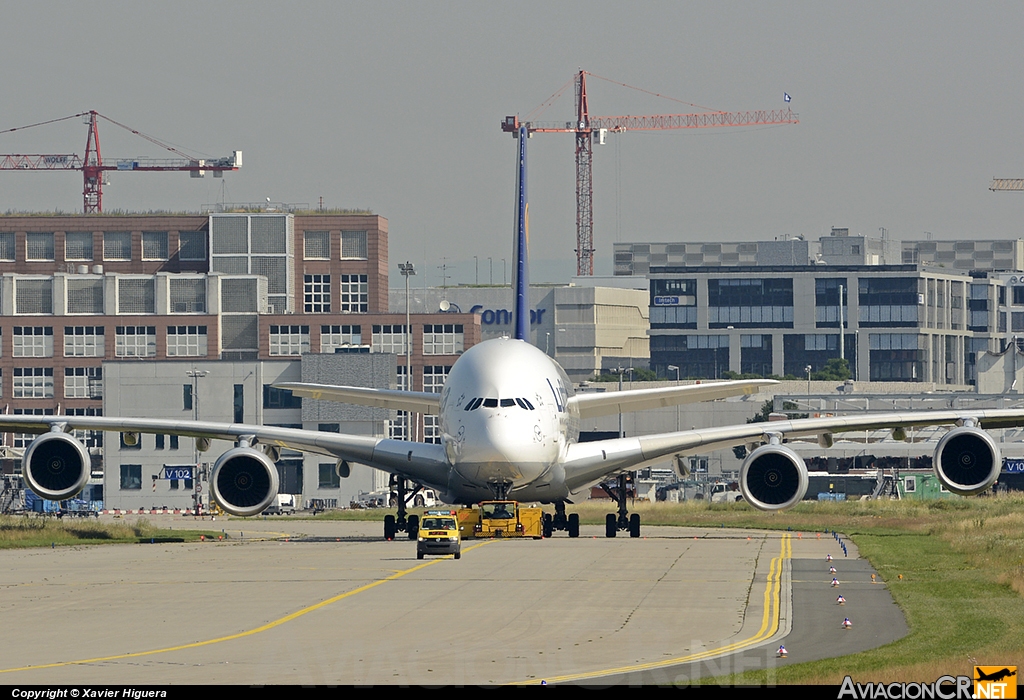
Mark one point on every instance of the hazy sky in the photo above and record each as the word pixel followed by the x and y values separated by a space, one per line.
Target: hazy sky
pixel 906 112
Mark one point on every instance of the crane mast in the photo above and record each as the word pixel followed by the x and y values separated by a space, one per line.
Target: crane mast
pixel 586 127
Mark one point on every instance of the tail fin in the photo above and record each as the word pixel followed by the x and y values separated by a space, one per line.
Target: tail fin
pixel 521 304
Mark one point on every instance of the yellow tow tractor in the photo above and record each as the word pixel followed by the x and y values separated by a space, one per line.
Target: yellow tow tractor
pixel 438 534
pixel 501 519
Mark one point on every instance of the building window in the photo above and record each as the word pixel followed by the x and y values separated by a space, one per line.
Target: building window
pixel 78 246
pixel 388 338
pixel 117 245
pixel 756 354
pixel 131 477
pixel 443 339
pixel 317 245
pixel 355 294
pixel 154 245
pixel 89 438
pixel 135 341
pixel 399 427
pixel 85 295
pixel 353 245
pixel 39 246
pixel 32 341
pixel 888 301
pixel 7 247
pixel 192 245
pixel 83 382
pixel 136 295
pixel 289 340
pixel 433 381
pixel 186 341
pixel 750 303
pixel 279 398
pixel 317 294
pixel 83 341
pixel 33 382
pixel 33 296
pixel 335 338
pixel 187 296
pixel 25 439
pixel 329 478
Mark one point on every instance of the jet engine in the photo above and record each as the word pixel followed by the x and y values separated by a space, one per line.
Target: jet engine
pixel 244 481
pixel 56 466
pixel 773 477
pixel 967 461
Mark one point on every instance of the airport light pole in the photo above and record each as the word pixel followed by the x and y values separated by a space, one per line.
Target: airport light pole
pixel 195 375
pixel 408 270
pixel 673 367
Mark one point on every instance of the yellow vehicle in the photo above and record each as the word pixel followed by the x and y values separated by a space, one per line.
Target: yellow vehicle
pixel 438 534
pixel 501 519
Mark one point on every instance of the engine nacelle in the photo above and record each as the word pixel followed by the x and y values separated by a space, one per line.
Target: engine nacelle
pixel 56 466
pixel 967 461
pixel 244 481
pixel 773 477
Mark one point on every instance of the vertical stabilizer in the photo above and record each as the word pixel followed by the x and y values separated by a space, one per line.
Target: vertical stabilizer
pixel 521 304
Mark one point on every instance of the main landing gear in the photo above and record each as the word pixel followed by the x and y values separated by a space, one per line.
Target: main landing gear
pixel 560 521
pixel 614 522
pixel 401 523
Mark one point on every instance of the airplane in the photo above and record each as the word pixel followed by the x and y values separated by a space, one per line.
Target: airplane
pixel 509 420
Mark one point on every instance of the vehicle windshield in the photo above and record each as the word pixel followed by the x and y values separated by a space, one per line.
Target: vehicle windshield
pixel 498 510
pixel 438 524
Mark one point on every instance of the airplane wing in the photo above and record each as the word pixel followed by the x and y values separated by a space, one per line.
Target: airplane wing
pixel 422 462
pixel 588 462
pixel 606 403
pixel 416 401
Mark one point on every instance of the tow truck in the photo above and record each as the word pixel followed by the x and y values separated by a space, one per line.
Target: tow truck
pixel 501 519
pixel 439 534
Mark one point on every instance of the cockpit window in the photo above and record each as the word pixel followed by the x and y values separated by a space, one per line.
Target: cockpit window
pixel 508 402
pixel 490 403
pixel 523 403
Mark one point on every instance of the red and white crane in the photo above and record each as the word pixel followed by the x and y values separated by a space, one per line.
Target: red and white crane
pixel 93 166
pixel 585 127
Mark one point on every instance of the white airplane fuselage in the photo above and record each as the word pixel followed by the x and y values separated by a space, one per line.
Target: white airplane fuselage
pixel 505 419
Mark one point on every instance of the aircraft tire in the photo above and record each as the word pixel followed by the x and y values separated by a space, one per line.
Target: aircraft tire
pixel 413 526
pixel 574 525
pixel 610 525
pixel 389 527
pixel 634 525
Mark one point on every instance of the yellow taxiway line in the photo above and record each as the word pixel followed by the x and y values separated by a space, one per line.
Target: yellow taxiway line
pixel 247 633
pixel 769 626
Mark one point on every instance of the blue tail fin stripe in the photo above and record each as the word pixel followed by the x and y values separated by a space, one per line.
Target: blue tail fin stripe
pixel 521 307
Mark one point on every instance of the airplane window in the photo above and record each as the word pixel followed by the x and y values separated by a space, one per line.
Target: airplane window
pixel 490 403
pixel 528 404
pixel 507 402
pixel 474 404
pixel 522 404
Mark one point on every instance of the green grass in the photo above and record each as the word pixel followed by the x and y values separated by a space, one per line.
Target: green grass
pixel 22 531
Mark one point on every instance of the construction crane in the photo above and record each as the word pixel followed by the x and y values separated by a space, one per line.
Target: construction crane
pixel 1002 184
pixel 586 127
pixel 93 165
